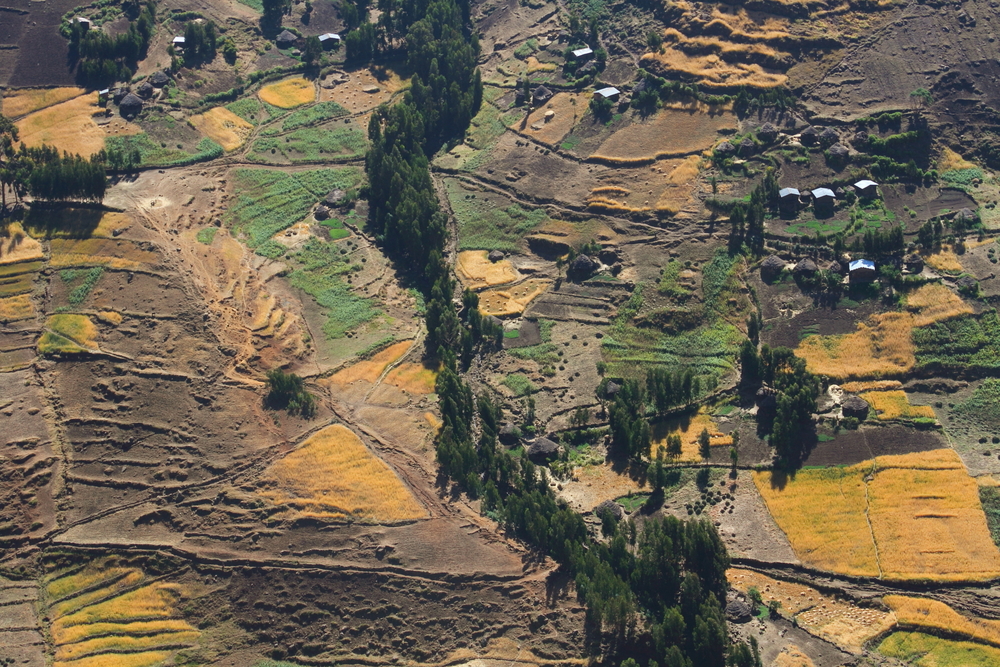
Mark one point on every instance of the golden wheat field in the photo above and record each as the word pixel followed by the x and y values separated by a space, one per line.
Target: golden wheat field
pixel 333 475
pixel 289 93
pixel 926 520
pixel 945 260
pixel 145 659
pixel 568 109
pixel 933 303
pixel 148 602
pixel 841 623
pixel 924 614
pixel 100 252
pixel 76 633
pixel 671 132
pixel 881 346
pixel 710 70
pixel 16 308
pixel 96 572
pixel 412 378
pixel 792 656
pixel 68 126
pixel 370 370
pixel 223 126
pixel 21 102
pixel 18 246
pixel 68 334
pixel 871 385
pixel 512 300
pixel 890 405
pixel 478 272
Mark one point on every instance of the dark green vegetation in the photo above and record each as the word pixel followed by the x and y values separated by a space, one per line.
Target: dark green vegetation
pixel 989 496
pixel 984 405
pixel 79 293
pixel 286 391
pixel 46 174
pixel 310 115
pixel 961 344
pixel 103 59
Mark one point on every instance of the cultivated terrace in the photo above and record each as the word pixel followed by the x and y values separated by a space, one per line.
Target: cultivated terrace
pixel 499 333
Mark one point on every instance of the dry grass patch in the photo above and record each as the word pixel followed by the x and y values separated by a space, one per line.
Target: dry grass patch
pixel 289 93
pixel 512 300
pixel 16 308
pixel 933 303
pixel 689 428
pixel 68 126
pixel 333 475
pixel 110 317
pixel 119 644
pixel 69 334
pixel 352 96
pixel 924 512
pixel 76 633
pixel 478 272
pixel 568 109
pixel 871 385
pixel 711 71
pixel 792 656
pixel 223 126
pixel 18 246
pixel 945 260
pixel 843 624
pixel 149 602
pixel 115 254
pixel 145 659
pixel 950 160
pixel 413 378
pixel 370 370
pixel 21 102
pixel 881 346
pixel 895 405
pixel 933 615
pixel 533 65
pixel 671 132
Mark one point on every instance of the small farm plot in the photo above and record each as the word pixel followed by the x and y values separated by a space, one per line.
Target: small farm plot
pixel 923 650
pixel 328 141
pixel 487 221
pixel 552 121
pixel 364 89
pixel 960 344
pixel 68 334
pixel 289 93
pixel 112 614
pixel 689 428
pixel 672 132
pixel 223 127
pixel 369 370
pixel 20 102
pixel 332 475
pixel 68 126
pixel 114 254
pixel 934 616
pixel 892 405
pixel 512 300
pixel 478 272
pixel 846 625
pixel 907 517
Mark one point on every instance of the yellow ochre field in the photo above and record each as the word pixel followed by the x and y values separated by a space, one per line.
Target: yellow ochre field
pixel 944 260
pixel 882 346
pixel 223 126
pixel 333 475
pixel 289 93
pixel 478 272
pixel 843 624
pixel 711 71
pixel 689 428
pixel 21 102
pixel 68 334
pixel 370 370
pixel 69 126
pixel 16 308
pixel 512 300
pixel 871 385
pixel 906 517
pixel 413 378
pixel 671 132
pixel 18 246
pixel 114 254
pixel 890 405
pixel 924 614
pixel 105 616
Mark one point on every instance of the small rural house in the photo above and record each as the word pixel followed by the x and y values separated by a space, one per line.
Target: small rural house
pixel 286 39
pixel 609 93
pixel 178 41
pixel 862 271
pixel 329 40
pixel 788 199
pixel 541 95
pixel 866 189
pixel 83 22
pixel 824 200
pixel 103 95
pixel 586 53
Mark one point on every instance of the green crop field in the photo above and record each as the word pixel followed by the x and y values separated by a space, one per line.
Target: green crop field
pixel 320 266
pixel 484 226
pixel 312 144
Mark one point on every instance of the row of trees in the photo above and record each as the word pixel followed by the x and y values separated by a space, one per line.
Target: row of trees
pixel 747 218
pixel 104 59
pixel 46 174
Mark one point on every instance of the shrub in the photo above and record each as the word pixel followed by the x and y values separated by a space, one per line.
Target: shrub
pixel 286 391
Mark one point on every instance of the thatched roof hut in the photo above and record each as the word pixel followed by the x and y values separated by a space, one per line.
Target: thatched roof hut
pixel 809 136
pixel 856 407
pixel 828 137
pixel 610 506
pixel 130 106
pixel 738 611
pixel 771 267
pixel 159 79
pixel 543 450
pixel 805 267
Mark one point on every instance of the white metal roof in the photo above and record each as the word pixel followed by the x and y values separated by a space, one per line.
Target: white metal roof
pixel 330 35
pixel 784 192
pixel 861 264
pixel 864 184
pixel 586 51
pixel 819 193
pixel 178 40
pixel 608 92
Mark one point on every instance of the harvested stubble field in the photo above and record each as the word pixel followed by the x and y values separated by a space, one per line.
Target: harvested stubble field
pixel 18 247
pixel 223 127
pixel 689 428
pixel 890 405
pixel 925 614
pixel 945 261
pixel 289 93
pixel 478 272
pixel 69 126
pixel 114 254
pixel 104 615
pixel 413 378
pixel 352 96
pixel 907 517
pixel 568 109
pixel 16 308
pixel 674 131
pixel 711 71
pixel 512 300
pixel 333 475
pixel 846 625
pixel 922 650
